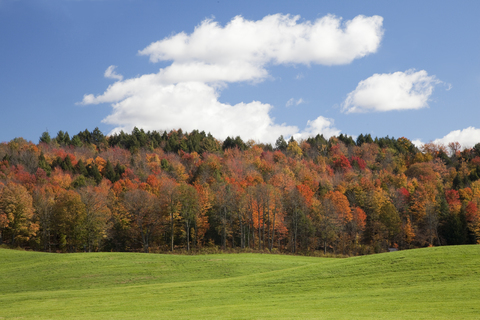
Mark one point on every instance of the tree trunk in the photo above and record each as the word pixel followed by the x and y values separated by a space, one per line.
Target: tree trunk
pixel 242 239
pixel 188 235
pixel 273 229
pixel 195 239
pixel 295 234
pixel 172 228
pixel 233 238
pixel 259 229
pixel 145 242
pixel 263 227
pixel 253 233
pixel 224 228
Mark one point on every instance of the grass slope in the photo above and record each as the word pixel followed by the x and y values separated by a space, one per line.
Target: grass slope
pixel 430 283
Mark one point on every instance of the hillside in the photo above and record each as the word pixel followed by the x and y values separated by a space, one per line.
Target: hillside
pixel 429 283
pixel 177 191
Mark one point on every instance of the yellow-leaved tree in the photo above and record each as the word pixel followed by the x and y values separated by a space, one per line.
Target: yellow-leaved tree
pixel 16 213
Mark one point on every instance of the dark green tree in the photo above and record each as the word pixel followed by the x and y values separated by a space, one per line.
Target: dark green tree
pixel 110 173
pixel 42 163
pixel 281 144
pixel 94 172
pixel 45 137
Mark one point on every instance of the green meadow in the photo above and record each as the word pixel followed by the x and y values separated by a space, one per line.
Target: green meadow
pixel 430 283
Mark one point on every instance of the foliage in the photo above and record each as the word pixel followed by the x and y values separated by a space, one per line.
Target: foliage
pixel 180 191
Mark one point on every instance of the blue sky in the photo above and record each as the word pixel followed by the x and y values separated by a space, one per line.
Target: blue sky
pixel 409 68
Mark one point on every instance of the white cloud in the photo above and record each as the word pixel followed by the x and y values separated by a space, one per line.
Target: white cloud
pixel 391 91
pixel 467 138
pixel 111 74
pixel 320 125
pixel 292 102
pixel 276 38
pixel 418 143
pixel 185 94
pixel 194 105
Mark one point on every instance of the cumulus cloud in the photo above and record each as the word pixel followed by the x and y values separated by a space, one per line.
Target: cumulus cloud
pixel 111 74
pixel 391 91
pixel 194 105
pixel 418 143
pixel 467 138
pixel 276 38
pixel 320 125
pixel 186 93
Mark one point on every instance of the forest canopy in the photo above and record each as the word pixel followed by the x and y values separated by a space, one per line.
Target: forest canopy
pixel 169 191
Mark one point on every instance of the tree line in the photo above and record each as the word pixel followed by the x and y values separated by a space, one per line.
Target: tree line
pixel 169 191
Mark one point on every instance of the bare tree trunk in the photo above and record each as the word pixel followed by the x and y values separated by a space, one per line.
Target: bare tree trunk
pixel 295 231
pixel 273 229
pixel 224 244
pixel 263 227
pixel 259 228
pixel 242 238
pixel 145 241
pixel 269 238
pixel 195 239
pixel 171 221
pixel 295 240
pixel 188 234
pixel 253 232
pixel 233 234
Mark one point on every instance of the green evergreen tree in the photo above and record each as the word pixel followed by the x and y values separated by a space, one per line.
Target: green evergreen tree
pixel 66 164
pixel 360 140
pixel 45 137
pixel 119 170
pixel 66 139
pixel 81 168
pixel 281 144
pixel 94 172
pixel 60 138
pixel 110 172
pixel 76 141
pixel 42 163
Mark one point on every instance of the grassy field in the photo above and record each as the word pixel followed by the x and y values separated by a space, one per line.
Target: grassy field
pixel 430 283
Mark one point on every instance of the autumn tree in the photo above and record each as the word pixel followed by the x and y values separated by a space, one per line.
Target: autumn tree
pixel 170 203
pixel 340 217
pixel 358 223
pixel 473 221
pixel 297 204
pixel 44 203
pixel 16 213
pixel 189 205
pixel 144 214
pixel 97 215
pixel 69 213
pixel 224 208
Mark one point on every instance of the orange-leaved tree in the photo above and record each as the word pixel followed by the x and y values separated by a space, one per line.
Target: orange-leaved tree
pixel 16 213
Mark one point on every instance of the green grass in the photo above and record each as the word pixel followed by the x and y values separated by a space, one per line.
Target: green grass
pixel 430 283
